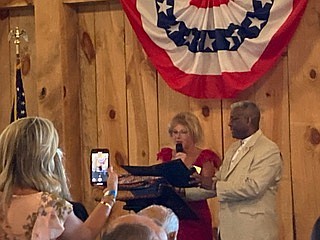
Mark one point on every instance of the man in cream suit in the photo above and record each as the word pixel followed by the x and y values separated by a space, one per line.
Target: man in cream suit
pixel 247 182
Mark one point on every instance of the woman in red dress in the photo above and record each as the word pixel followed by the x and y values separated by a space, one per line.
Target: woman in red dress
pixel 185 129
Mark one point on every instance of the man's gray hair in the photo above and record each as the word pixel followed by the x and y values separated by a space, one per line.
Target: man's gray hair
pixel 250 109
pixel 163 216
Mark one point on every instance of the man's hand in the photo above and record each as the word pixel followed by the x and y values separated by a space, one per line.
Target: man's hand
pixel 204 182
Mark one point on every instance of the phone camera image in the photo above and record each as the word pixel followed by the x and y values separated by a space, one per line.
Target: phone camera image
pixel 99 167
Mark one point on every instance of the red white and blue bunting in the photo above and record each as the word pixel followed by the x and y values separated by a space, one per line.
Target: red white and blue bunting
pixel 213 48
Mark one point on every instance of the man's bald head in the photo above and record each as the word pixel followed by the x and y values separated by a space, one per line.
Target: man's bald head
pixel 165 217
pixel 158 233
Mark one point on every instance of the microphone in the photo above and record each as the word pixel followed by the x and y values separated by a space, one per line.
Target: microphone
pixel 179 147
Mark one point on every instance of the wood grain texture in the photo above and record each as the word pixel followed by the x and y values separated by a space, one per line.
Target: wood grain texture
pixel 15 3
pixel 71 104
pixel 58 79
pixel 84 1
pixel 111 81
pixel 88 114
pixel 7 76
pixel 304 82
pixel 272 97
pixel 142 103
pixel 111 86
pixel 49 62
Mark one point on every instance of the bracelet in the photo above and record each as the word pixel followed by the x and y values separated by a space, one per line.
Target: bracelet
pixel 106 204
pixel 110 193
pixel 112 196
pixel 108 198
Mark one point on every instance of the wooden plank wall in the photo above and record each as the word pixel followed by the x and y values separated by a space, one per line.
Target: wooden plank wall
pixel 90 76
pixel 304 85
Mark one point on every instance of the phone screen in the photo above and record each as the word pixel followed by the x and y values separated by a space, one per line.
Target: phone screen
pixel 100 160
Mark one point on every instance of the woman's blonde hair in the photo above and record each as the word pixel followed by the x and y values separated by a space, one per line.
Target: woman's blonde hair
pixel 30 158
pixel 191 122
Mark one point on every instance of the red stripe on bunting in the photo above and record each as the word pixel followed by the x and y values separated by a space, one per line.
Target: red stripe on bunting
pixel 208 3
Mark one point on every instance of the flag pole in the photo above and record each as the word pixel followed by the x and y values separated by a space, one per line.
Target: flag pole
pixel 18 106
pixel 16 34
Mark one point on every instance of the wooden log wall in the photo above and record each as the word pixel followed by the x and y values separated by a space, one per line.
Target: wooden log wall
pixel 90 76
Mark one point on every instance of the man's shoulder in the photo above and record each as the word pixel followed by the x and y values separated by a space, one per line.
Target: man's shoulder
pixel 267 140
pixel 264 142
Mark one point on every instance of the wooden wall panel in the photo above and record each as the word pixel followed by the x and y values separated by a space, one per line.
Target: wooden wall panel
pixel 111 81
pixel 272 97
pixel 15 3
pixel 58 79
pixel 111 85
pixel 82 1
pixel 304 79
pixel 6 77
pixel 102 90
pixel 49 60
pixel 71 97
pixel 88 97
pixel 142 102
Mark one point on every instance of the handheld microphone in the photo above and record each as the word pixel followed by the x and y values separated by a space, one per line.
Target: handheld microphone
pixel 179 147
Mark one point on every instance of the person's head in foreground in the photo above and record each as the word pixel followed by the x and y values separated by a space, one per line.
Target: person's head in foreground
pixel 34 194
pixel 134 227
pixel 165 217
pixel 130 231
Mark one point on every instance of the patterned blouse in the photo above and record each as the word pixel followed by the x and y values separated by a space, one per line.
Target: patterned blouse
pixel 38 216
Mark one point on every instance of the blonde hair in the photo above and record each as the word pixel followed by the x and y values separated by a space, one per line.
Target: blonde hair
pixel 191 122
pixel 30 158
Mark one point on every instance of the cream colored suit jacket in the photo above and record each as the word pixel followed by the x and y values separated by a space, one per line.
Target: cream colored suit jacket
pixel 247 191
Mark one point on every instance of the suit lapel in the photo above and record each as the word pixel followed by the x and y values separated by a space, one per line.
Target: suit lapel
pixel 242 152
pixel 240 155
pixel 228 158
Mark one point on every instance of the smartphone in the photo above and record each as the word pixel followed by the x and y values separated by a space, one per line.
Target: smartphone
pixel 100 161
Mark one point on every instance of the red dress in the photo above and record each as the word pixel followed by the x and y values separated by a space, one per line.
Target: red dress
pixel 200 229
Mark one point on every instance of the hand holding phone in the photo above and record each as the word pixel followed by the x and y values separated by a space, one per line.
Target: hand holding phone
pixel 100 162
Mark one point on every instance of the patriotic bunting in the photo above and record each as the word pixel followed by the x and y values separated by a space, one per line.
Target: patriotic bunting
pixel 213 48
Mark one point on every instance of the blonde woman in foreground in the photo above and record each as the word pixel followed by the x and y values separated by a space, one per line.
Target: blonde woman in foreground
pixel 34 196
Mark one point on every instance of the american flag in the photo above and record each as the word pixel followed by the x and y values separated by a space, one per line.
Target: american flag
pixel 19 109
pixel 213 48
